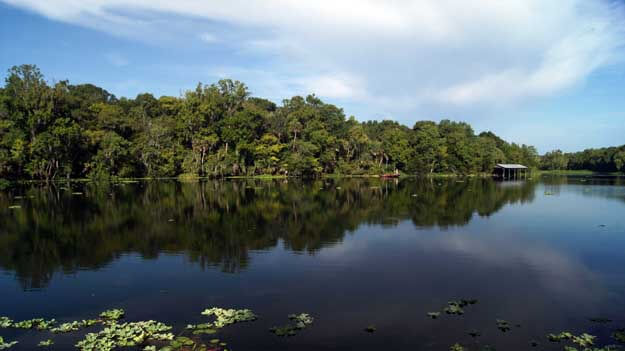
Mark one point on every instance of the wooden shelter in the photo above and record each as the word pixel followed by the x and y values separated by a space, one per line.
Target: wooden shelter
pixel 510 171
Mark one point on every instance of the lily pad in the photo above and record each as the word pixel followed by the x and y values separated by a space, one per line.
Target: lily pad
pixel 224 317
pixel 619 335
pixel 5 345
pixel 301 320
pixel 454 307
pixel 113 314
pixel 456 347
pixel 45 343
pixel 286 330
pixel 560 337
pixel 434 315
pixel 503 325
pixel 584 340
pixel 474 333
pixel 533 343
pixel 370 329
pixel 125 335
pixel 5 322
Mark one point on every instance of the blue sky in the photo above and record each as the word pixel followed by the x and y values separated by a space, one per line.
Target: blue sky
pixel 544 73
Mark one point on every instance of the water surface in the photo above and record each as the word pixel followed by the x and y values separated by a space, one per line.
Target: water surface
pixel 546 254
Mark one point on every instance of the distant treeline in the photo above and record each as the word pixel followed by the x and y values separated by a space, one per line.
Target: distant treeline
pixel 609 159
pixel 60 130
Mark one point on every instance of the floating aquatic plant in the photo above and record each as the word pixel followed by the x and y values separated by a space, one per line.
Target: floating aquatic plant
pixel 125 334
pixel 179 342
pixel 503 325
pixel 185 343
pixel 15 207
pixel 370 329
pixel 454 307
pixel 434 315
pixel 474 333
pixel 205 328
pixel 286 330
pixel 74 326
pixel 5 322
pixel 46 343
pixel 456 347
pixel 6 345
pixel 605 348
pixel 224 317
pixel 619 335
pixel 301 320
pixel 113 314
pixel 559 337
pixel 584 340
pixel 38 323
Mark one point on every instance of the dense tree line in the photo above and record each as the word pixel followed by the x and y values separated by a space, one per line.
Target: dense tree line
pixel 609 159
pixel 60 130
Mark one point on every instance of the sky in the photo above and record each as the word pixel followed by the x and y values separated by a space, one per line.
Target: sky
pixel 544 73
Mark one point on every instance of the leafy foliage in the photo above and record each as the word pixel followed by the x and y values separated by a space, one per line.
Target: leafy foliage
pixel 46 343
pixel 224 317
pixel 125 334
pixel 609 159
pixel 301 320
pixel 113 314
pixel 63 131
pixel 5 345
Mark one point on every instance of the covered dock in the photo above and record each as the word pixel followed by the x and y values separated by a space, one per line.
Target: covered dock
pixel 510 171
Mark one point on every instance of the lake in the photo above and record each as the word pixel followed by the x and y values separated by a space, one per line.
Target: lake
pixel 545 255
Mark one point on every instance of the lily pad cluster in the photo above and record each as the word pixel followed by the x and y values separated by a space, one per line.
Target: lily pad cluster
pixel 456 347
pixel 125 334
pixel 454 307
pixel 185 343
pixel 584 340
pixel 560 337
pixel 5 345
pixel 204 328
pixel 224 317
pixel 74 326
pixel 35 323
pixel 301 320
pixel 46 343
pixel 503 325
pixel 619 335
pixel 114 314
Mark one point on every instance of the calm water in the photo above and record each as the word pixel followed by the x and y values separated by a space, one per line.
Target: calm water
pixel 546 254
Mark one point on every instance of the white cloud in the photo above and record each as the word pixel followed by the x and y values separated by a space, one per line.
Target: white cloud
pixel 412 52
pixel 208 38
pixel 116 59
pixel 340 87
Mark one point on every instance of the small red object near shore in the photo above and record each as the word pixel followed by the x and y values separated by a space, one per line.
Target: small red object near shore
pixel 390 175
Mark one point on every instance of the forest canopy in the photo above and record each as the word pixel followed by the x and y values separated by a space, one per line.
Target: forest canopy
pixel 605 160
pixel 50 131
